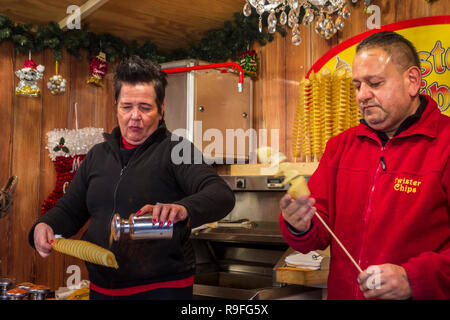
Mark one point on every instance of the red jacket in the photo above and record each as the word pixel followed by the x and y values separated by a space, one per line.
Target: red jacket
pixel 397 213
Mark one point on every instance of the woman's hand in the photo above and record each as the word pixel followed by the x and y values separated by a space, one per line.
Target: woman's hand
pixel 162 212
pixel 43 239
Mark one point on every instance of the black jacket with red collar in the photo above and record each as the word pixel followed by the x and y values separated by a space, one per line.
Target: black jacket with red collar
pixel 103 186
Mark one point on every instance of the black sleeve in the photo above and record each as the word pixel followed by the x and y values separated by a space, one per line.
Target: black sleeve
pixel 70 213
pixel 209 197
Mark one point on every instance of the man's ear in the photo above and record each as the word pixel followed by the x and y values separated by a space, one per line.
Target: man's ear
pixel 414 79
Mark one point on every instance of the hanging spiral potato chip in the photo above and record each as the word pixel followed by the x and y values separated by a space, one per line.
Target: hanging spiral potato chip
pixel 306 121
pixel 316 115
pixel 298 120
pixel 326 107
pixel 327 103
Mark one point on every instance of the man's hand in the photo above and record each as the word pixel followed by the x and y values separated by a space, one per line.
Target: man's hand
pixel 43 239
pixel 386 281
pixel 162 212
pixel 298 212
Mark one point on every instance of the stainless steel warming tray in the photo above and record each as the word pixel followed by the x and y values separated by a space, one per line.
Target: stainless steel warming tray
pixel 236 256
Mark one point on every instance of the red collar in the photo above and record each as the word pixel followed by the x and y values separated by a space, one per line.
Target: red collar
pixel 127 145
pixel 427 124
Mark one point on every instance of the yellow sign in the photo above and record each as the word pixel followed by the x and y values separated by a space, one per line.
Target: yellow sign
pixel 430 36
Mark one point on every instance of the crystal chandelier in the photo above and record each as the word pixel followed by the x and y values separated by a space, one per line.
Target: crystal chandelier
pixel 330 15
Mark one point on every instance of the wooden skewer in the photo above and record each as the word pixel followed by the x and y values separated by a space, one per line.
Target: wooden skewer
pixel 339 242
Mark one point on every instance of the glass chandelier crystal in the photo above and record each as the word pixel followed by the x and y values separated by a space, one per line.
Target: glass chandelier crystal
pixel 330 15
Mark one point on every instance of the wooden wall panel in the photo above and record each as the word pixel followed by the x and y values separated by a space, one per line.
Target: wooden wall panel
pixel 355 24
pixel 272 89
pixel 406 9
pixel 438 8
pixel 50 271
pixel 82 93
pixel 26 161
pixel 298 60
pixel 6 118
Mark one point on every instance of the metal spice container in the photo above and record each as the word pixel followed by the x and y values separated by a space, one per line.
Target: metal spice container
pixel 139 227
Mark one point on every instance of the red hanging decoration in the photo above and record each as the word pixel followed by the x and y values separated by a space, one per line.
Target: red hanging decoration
pixel 98 69
pixel 65 167
pixel 67 149
pixel 249 63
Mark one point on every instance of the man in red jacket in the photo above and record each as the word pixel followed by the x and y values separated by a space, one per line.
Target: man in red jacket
pixel 382 186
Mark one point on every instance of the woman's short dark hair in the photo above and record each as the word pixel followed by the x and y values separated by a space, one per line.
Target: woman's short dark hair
pixel 134 70
pixel 402 51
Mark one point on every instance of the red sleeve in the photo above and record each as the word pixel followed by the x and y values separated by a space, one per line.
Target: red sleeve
pixel 312 240
pixel 429 275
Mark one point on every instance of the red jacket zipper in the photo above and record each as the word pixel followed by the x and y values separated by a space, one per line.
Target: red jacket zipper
pixel 368 212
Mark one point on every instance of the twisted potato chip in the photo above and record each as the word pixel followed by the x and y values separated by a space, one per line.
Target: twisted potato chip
pixel 87 251
pixel 299 187
pixel 326 107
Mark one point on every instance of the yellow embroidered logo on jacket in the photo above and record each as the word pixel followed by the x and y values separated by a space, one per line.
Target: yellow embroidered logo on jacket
pixel 406 185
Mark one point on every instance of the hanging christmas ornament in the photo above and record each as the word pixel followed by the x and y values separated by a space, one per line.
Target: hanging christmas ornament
pixel 249 63
pixel 56 84
pixel 28 77
pixel 67 149
pixel 98 68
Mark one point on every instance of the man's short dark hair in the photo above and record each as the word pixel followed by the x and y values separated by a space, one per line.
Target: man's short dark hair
pixel 402 51
pixel 134 70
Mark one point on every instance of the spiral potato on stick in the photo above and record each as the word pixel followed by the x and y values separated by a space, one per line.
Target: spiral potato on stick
pixel 86 251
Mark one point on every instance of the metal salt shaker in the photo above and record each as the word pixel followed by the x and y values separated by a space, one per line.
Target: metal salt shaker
pixel 39 292
pixel 139 227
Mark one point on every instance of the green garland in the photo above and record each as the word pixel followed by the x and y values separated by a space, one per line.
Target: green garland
pixel 218 45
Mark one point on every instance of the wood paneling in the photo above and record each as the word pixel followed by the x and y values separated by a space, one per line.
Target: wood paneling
pixel 54 115
pixel 25 121
pixel 26 162
pixel 6 119
pixel 272 95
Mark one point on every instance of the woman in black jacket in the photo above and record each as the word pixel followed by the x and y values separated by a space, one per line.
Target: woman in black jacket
pixel 135 171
